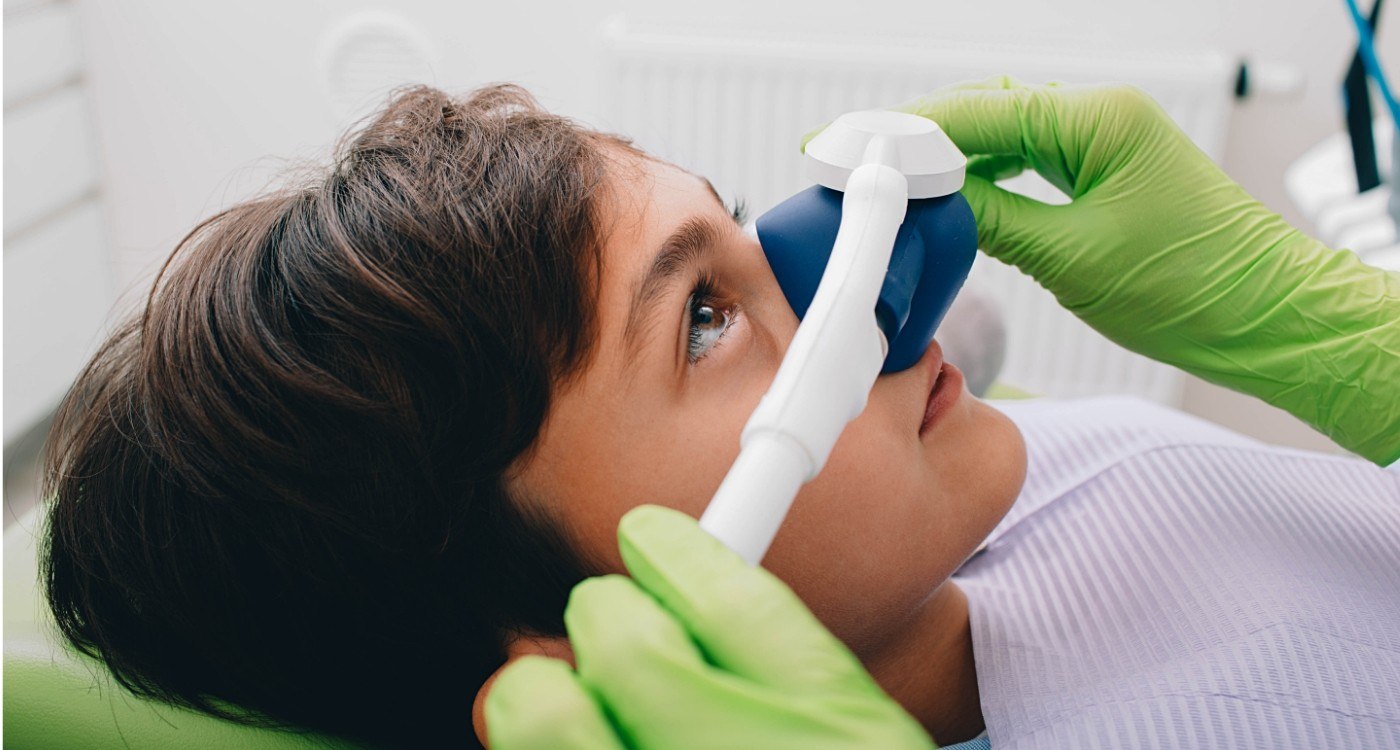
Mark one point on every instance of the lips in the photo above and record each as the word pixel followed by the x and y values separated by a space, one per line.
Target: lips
pixel 945 386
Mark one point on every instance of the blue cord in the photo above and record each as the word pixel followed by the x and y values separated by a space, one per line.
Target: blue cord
pixel 1373 63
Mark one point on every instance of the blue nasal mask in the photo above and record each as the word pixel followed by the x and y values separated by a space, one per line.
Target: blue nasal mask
pixel 933 253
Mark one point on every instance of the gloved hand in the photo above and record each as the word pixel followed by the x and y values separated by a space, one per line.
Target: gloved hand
pixel 1160 251
pixel 696 650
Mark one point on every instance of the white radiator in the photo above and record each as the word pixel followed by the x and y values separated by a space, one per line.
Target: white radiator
pixel 733 108
pixel 58 283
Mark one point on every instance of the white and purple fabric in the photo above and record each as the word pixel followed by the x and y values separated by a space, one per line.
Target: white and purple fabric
pixel 1164 583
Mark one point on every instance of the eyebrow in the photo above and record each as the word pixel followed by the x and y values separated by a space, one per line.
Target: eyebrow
pixel 686 246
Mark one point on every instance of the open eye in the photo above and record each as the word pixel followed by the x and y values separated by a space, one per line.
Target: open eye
pixel 708 322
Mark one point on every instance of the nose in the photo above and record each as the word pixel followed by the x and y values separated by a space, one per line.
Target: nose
pixel 932 256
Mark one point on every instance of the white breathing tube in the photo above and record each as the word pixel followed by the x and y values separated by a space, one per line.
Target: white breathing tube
pixel 828 370
pixel 879 160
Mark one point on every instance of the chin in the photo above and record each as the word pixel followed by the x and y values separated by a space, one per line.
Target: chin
pixel 1007 457
pixel 993 468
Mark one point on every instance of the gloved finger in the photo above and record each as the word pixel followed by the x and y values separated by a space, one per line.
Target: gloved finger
pixel 994 167
pixel 810 134
pixel 1010 227
pixel 745 619
pixel 538 703
pixel 980 121
pixel 615 629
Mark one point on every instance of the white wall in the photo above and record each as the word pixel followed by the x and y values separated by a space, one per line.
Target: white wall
pixel 200 104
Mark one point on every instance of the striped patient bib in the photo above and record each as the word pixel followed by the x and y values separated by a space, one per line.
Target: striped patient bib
pixel 1164 583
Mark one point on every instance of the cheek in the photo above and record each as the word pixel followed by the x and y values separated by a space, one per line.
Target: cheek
pixel 891 517
pixel 659 455
pixel 675 450
pixel 844 545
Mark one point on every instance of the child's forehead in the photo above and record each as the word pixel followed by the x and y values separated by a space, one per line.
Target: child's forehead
pixel 648 199
pixel 642 180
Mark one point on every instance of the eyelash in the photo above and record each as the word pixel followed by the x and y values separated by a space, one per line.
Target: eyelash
pixel 703 293
pixel 739 209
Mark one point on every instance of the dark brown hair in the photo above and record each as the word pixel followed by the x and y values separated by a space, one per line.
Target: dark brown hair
pixel 279 492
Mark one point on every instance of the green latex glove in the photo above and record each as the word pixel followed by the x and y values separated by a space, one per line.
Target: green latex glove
pixel 1160 251
pixel 696 650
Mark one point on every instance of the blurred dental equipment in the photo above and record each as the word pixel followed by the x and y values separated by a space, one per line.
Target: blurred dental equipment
pixel 870 258
pixel 1323 186
pixel 1346 185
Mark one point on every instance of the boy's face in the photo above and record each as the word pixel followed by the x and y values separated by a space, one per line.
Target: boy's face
pixel 655 417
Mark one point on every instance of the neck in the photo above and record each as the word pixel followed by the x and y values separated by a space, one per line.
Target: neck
pixel 927 666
